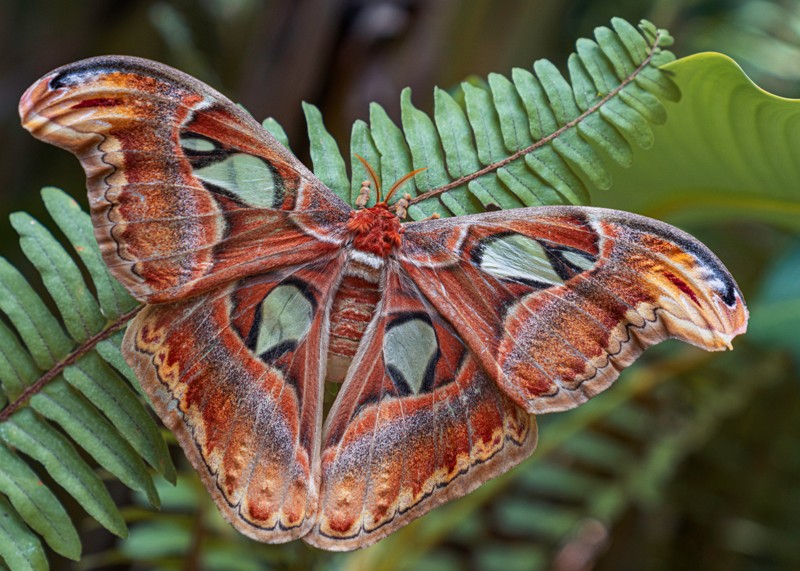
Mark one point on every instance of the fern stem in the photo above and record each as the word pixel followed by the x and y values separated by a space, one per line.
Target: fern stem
pixel 541 142
pixel 70 359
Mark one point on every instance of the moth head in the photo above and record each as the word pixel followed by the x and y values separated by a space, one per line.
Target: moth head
pixel 365 192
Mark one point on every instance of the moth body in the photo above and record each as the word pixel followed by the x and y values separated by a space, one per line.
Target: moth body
pixel 374 234
pixel 351 311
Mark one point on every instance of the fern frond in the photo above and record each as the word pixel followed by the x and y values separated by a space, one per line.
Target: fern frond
pixel 61 381
pixel 533 139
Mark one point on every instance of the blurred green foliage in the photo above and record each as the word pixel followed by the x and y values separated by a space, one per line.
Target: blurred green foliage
pixel 690 461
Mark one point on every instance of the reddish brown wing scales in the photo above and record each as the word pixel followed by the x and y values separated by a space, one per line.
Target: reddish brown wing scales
pixel 396 446
pixel 554 302
pixel 243 403
pixel 187 191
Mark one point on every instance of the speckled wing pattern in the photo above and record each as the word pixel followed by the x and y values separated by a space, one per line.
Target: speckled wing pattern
pixel 555 301
pixel 187 191
pixel 239 251
pixel 416 423
pixel 244 398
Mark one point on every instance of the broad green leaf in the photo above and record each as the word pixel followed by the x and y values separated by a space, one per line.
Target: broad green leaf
pixel 775 312
pixel 728 150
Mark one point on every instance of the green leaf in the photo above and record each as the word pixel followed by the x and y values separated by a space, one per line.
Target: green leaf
pixel 534 140
pixel 426 152
pixel 277 131
pixel 38 328
pixel 361 144
pixel 17 369
pixel 631 38
pixel 77 227
pixel 461 158
pixel 37 505
pixel 100 385
pixel 35 438
pixel 110 351
pixel 489 139
pixel 86 426
pixel 157 539
pixel 396 161
pixel 35 348
pixel 575 131
pixel 19 548
pixel 775 313
pixel 328 162
pixel 61 276
pixel 726 151
pixel 583 469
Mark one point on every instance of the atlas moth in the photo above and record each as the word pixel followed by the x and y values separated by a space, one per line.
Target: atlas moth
pixel 448 335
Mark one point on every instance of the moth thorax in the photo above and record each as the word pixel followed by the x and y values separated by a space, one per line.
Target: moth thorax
pixel 375 230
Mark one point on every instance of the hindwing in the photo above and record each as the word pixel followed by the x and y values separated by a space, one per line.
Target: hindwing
pixel 237 375
pixel 416 423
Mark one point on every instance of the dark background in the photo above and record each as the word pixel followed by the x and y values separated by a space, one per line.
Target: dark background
pixel 343 54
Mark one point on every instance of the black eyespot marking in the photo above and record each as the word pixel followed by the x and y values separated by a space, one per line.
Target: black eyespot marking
pixel 726 287
pixel 568 262
pixel 272 354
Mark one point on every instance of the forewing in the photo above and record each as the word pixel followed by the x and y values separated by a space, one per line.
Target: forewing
pixel 556 301
pixel 187 191
pixel 416 423
pixel 237 375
